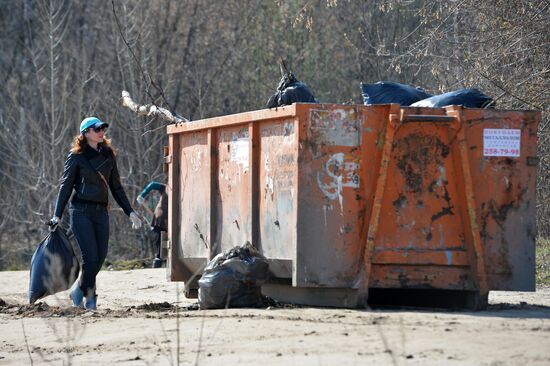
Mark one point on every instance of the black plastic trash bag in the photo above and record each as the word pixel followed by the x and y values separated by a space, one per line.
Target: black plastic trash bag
pixel 290 90
pixel 385 92
pixel 471 98
pixel 234 279
pixel 54 266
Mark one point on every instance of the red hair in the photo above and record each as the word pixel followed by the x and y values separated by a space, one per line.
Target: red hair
pixel 79 144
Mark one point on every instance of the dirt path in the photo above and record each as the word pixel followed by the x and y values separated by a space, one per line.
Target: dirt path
pixel 137 324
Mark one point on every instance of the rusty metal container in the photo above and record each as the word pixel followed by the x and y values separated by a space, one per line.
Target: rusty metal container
pixel 342 199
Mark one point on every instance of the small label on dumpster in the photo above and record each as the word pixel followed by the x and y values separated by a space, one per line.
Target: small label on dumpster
pixel 501 142
pixel 239 152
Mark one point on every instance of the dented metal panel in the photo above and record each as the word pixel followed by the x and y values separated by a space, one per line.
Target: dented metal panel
pixel 331 205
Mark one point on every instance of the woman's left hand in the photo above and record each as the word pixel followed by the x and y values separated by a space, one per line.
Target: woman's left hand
pixel 136 221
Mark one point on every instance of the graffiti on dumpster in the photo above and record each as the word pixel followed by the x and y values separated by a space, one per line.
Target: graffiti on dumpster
pixel 339 171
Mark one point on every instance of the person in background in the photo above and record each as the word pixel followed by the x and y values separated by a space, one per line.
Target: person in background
pixel 160 216
pixel 90 172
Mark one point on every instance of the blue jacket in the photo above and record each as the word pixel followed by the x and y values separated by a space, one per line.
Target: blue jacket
pixel 153 186
pixel 160 216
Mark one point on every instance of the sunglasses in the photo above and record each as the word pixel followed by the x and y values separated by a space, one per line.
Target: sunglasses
pixel 98 129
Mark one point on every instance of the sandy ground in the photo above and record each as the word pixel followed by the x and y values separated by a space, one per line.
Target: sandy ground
pixel 137 324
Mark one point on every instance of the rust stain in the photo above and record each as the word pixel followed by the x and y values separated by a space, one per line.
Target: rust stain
pixel 400 202
pixel 448 210
pixel 499 212
pixel 416 154
pixel 403 280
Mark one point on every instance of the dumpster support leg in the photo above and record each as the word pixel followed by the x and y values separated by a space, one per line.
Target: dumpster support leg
pixel 173 264
pixel 389 134
pixel 462 166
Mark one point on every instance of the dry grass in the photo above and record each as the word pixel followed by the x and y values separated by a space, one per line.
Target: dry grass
pixel 543 262
pixel 125 265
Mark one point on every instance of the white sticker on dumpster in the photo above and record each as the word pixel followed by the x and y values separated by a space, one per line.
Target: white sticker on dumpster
pixel 239 152
pixel 501 142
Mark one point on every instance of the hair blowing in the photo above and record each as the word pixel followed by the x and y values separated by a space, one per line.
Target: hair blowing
pixel 79 144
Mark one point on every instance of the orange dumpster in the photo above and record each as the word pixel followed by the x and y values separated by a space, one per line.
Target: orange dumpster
pixel 342 199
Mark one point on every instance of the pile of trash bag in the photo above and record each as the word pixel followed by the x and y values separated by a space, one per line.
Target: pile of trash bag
pixel 234 279
pixel 385 92
pixel 54 266
pixel 290 90
pixel 471 98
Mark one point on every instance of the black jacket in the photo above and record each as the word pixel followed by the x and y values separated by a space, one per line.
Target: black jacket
pixel 160 217
pixel 82 174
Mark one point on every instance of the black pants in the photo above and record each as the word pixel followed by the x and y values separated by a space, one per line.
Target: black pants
pixel 156 233
pixel 90 225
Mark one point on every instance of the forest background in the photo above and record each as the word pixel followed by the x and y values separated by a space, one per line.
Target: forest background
pixel 63 60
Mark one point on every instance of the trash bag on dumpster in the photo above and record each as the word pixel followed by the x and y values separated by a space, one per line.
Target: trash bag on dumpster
pixel 471 98
pixel 290 90
pixel 54 266
pixel 384 92
pixel 233 279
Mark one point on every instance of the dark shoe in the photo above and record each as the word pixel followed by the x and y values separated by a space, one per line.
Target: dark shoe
pixel 157 263
pixel 91 303
pixel 76 295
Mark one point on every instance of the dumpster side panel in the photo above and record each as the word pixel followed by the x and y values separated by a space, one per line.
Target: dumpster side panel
pixel 188 169
pixel 194 200
pixel 278 188
pixel 331 205
pixel 233 198
pixel 505 194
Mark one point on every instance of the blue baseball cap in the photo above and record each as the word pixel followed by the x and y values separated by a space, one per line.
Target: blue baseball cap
pixel 91 122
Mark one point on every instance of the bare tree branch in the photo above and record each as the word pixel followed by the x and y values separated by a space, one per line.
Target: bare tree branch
pixel 150 110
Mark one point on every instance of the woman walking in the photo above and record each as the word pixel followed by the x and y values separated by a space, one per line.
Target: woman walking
pixel 91 170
